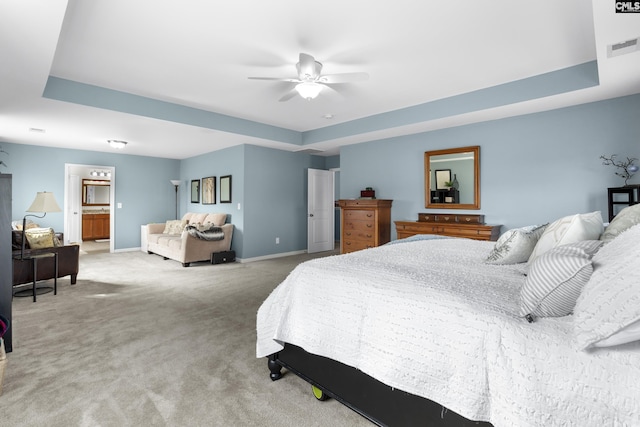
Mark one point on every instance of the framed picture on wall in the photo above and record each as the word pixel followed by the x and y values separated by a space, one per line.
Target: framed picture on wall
pixel 442 177
pixel 225 189
pixel 209 190
pixel 195 191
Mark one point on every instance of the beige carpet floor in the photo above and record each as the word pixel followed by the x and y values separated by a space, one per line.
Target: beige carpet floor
pixel 140 341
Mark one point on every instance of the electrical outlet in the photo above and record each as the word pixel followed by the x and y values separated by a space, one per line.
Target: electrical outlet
pixel 277 240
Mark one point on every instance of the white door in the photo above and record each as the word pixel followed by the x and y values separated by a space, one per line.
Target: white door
pixel 320 209
pixel 72 216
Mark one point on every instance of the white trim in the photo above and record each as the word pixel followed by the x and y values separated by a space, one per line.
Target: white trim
pixel 272 256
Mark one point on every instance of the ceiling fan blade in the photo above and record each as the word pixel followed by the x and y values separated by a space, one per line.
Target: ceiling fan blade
pixel 278 79
pixel 343 78
pixel 288 95
pixel 308 67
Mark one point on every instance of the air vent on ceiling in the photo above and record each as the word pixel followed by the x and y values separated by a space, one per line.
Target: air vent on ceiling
pixel 309 151
pixel 623 48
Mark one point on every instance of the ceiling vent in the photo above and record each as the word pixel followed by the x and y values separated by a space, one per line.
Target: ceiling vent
pixel 623 48
pixel 309 151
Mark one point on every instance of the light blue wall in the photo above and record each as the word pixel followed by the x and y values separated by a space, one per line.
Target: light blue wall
pixel 270 186
pixel 141 185
pixel 276 200
pixel 229 161
pixel 534 168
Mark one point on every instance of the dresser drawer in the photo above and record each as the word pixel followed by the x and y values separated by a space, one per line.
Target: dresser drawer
pixel 359 215
pixel 364 235
pixel 419 228
pixel 349 245
pixel 470 233
pixel 359 225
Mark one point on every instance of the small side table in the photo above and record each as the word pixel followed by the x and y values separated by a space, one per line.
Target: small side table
pixel 43 289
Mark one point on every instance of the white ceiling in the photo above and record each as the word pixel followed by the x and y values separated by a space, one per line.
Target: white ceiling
pixel 199 53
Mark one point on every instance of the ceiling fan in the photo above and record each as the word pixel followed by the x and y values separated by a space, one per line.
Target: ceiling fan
pixel 310 81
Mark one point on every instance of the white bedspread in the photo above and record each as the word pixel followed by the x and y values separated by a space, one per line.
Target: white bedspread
pixel 429 317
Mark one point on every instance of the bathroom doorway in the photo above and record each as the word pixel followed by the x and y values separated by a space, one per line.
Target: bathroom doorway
pixel 93 203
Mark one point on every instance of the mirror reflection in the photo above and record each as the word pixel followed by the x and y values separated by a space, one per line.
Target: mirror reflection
pixel 452 178
pixel 95 192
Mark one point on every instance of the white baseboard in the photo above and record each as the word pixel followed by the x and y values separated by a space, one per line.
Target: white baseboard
pixel 272 256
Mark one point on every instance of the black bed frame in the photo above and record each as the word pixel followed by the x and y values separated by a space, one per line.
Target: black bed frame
pixel 379 403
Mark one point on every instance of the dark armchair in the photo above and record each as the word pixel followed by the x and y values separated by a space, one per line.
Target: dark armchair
pixel 68 261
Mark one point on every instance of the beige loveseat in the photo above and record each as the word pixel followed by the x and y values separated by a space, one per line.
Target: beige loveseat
pixel 172 240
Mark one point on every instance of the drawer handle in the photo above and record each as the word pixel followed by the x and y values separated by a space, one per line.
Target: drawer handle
pixel 468 219
pixel 369 215
pixel 446 218
pixel 369 235
pixel 348 233
pixel 347 243
pixel 369 225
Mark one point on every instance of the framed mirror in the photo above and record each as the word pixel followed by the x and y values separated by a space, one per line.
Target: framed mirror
pixel 95 192
pixel 462 189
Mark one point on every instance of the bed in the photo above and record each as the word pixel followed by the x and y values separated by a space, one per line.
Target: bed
pixel 428 331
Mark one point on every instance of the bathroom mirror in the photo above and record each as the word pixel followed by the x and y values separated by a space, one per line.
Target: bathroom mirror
pixel 95 192
pixel 463 189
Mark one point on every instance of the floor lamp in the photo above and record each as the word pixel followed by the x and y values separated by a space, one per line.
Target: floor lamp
pixel 43 203
pixel 176 183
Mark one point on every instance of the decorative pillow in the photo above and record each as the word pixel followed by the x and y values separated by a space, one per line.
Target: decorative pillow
pixel 17 225
pixel 610 303
pixel 216 218
pixel 515 245
pixel 626 218
pixel 569 229
pixel 555 279
pixel 174 226
pixel 39 238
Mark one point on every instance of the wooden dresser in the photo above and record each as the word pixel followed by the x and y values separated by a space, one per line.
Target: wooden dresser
pixel 454 225
pixel 365 223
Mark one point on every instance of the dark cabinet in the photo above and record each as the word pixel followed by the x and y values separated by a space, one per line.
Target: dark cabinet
pixel 6 263
pixel 621 197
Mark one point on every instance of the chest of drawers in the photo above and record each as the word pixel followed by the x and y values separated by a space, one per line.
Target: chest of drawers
pixel 364 223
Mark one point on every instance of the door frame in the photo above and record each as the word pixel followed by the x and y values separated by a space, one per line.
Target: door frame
pixel 330 208
pixel 68 171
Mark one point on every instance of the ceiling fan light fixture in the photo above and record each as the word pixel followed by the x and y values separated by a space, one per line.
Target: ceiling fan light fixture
pixel 309 90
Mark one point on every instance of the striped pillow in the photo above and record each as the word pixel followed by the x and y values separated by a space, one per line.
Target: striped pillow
pixel 556 278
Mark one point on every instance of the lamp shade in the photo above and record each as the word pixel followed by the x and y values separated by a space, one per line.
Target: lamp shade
pixel 44 202
pixel 309 90
pixel 176 182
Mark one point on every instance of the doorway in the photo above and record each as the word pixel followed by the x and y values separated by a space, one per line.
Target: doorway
pixel 320 211
pixel 73 203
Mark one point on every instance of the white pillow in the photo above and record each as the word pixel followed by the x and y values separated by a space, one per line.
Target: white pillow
pixel 555 279
pixel 174 226
pixel 569 229
pixel 610 302
pixel 626 218
pixel 515 245
pixel 627 334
